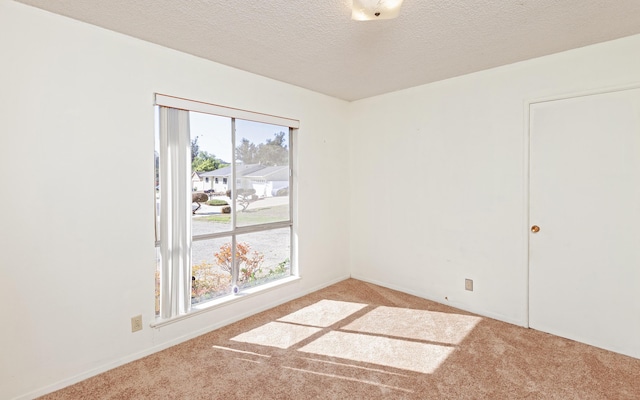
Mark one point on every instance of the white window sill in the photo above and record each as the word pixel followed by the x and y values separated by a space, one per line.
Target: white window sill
pixel 226 300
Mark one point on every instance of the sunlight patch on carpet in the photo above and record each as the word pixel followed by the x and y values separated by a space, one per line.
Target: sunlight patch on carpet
pixel 277 334
pixel 323 313
pixel 413 356
pixel 407 323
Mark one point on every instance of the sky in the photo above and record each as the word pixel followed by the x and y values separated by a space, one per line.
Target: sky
pixel 214 133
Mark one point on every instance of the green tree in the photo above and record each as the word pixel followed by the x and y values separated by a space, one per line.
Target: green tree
pixel 205 161
pixel 273 151
pixel 246 151
pixel 195 148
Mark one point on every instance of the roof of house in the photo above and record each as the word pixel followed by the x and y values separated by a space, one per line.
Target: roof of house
pixel 278 173
pixel 226 171
pixel 253 171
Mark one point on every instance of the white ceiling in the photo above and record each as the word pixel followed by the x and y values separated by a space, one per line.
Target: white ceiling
pixel 315 44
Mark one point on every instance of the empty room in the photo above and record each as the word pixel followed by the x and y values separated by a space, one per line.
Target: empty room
pixel 418 199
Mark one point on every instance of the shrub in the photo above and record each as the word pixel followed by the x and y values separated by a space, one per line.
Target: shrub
pixel 246 192
pixel 217 202
pixel 208 282
pixel 226 210
pixel 281 269
pixel 244 197
pixel 199 197
pixel 249 262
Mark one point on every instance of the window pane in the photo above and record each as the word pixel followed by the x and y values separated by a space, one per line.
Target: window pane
pixel 210 269
pixel 262 182
pixel 211 157
pixel 263 256
pixel 227 156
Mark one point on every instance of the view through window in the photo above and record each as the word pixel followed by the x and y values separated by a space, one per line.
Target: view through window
pixel 223 205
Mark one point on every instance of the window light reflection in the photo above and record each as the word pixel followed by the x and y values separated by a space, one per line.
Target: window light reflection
pixel 277 334
pixel 323 313
pixel 400 338
pixel 396 353
pixel 407 323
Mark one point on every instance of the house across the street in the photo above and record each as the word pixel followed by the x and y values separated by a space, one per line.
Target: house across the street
pixel 267 181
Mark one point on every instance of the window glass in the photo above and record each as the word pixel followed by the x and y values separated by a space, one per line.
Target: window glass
pixel 211 156
pixel 222 203
pixel 263 256
pixel 262 169
pixel 210 269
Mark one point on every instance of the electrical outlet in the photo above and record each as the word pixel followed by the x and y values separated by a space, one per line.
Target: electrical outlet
pixel 468 285
pixel 136 323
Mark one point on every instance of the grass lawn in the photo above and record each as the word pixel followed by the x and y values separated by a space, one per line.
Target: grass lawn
pixel 253 216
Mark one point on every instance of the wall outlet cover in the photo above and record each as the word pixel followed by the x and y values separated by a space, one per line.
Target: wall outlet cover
pixel 468 285
pixel 136 323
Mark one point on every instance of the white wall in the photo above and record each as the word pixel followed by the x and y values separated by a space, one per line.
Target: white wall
pixel 77 263
pixel 76 102
pixel 456 151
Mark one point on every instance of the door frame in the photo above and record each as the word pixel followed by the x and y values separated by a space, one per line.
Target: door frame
pixel 526 144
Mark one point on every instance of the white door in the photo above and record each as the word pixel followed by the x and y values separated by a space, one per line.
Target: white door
pixel 584 262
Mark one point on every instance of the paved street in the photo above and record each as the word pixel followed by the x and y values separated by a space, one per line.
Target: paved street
pixel 274 244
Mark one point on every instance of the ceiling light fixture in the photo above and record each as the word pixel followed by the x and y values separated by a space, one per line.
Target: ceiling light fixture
pixel 367 10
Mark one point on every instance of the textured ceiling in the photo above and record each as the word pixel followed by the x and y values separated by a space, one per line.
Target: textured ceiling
pixel 315 44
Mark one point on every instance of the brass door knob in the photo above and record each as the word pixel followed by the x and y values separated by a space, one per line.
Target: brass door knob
pixel 535 229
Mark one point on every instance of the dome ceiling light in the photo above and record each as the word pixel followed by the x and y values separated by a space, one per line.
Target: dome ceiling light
pixel 368 10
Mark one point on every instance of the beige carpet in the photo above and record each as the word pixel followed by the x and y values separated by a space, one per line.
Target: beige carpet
pixel 355 340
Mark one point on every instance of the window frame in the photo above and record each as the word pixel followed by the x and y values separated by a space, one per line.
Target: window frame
pixel 177 305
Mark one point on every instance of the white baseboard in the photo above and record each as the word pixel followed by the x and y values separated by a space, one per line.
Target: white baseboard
pixel 458 305
pixel 165 345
